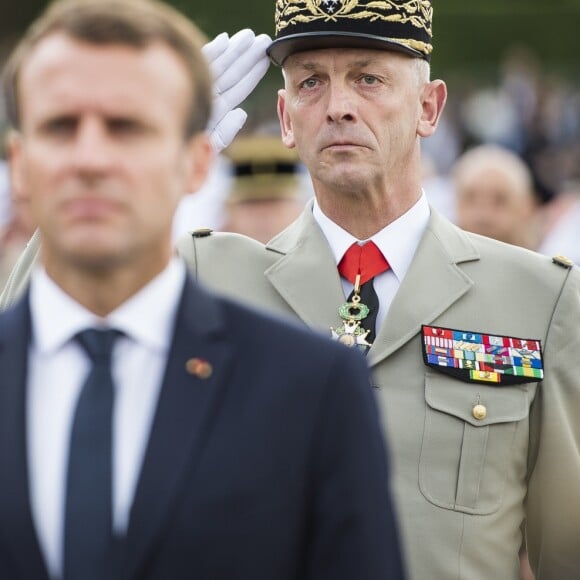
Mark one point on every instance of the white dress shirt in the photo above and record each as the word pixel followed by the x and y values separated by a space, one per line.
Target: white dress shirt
pixel 398 242
pixel 58 367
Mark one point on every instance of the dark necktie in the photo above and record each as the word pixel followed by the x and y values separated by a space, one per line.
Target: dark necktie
pixel 88 536
pixel 366 261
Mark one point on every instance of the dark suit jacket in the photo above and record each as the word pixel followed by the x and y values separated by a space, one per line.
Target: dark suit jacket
pixel 273 468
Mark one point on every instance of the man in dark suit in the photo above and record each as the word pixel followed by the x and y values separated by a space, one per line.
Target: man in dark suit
pixel 149 430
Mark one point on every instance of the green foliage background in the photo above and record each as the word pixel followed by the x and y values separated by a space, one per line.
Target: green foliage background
pixel 470 36
pixel 468 33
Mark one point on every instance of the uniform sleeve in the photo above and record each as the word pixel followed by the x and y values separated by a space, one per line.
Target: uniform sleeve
pixel 553 502
pixel 20 274
pixel 353 530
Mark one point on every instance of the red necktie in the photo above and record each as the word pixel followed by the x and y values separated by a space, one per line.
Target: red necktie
pixel 366 260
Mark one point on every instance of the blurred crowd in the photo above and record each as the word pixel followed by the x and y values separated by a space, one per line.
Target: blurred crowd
pixel 522 186
pixel 504 162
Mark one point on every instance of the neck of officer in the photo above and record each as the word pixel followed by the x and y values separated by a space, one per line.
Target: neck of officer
pixel 363 211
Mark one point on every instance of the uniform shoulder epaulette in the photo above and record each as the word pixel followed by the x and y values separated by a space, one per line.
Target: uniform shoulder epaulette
pixel 201 232
pixel 563 261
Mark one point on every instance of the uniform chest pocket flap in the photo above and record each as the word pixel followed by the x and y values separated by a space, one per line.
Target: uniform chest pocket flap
pixel 469 446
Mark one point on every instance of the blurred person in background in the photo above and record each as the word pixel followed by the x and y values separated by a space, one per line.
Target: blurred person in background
pixel 266 193
pixel 16 224
pixel 494 195
pixel 438 188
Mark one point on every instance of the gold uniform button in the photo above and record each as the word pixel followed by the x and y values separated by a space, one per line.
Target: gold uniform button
pixel 479 412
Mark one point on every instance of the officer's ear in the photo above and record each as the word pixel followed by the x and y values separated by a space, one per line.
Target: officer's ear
pixel 200 155
pixel 285 121
pixel 433 98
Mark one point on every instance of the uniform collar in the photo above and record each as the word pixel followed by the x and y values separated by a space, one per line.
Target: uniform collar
pixel 398 241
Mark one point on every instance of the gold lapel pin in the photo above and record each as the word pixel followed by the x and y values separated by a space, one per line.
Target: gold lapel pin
pixel 199 367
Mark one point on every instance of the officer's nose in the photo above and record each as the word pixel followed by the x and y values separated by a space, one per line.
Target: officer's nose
pixel 341 105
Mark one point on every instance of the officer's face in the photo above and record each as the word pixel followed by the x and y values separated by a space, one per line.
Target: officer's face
pixel 355 116
pixel 101 152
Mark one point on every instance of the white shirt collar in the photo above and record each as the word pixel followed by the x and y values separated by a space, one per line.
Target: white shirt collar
pixel 398 241
pixel 147 317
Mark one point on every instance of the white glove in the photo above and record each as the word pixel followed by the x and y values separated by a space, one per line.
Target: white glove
pixel 237 65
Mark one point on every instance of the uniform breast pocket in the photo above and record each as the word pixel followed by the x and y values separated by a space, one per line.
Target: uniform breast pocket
pixel 467 450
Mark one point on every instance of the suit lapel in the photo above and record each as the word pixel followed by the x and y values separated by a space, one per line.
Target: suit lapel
pixel 183 420
pixel 17 533
pixel 306 275
pixel 432 284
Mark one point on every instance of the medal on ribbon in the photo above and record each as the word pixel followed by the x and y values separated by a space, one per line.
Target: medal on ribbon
pixel 352 313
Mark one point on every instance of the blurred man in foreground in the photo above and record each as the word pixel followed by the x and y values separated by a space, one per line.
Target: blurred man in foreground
pixel 149 429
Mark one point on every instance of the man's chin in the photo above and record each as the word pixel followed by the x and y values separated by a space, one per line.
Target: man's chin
pixel 346 177
pixel 89 254
pixel 95 263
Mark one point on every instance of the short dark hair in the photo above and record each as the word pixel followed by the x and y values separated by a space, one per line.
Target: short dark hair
pixel 135 23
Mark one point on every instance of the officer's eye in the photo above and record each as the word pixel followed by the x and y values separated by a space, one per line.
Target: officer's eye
pixel 369 80
pixel 309 83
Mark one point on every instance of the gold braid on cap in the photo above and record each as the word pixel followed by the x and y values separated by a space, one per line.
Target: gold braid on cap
pixel 418 13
